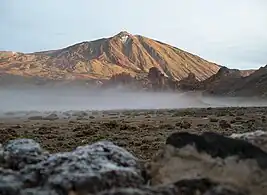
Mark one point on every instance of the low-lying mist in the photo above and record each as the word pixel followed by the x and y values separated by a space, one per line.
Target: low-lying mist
pixel 72 98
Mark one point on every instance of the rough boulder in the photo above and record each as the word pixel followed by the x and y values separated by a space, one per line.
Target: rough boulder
pixel 206 164
pixel 234 162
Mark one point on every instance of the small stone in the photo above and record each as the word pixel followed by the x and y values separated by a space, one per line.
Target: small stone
pixel 224 124
pixel 214 120
pixel 184 124
pixel 51 117
pixel 80 114
pixel 35 118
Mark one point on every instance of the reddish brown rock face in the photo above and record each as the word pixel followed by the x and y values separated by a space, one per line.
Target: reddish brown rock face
pixel 103 58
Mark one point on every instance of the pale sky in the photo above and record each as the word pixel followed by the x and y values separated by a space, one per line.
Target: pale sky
pixel 232 33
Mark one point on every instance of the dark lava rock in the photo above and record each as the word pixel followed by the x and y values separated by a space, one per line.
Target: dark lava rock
pixel 207 187
pixel 21 152
pixel 224 124
pixel 184 124
pixel 217 145
pixel 258 138
pixel 51 117
pixel 227 164
pixel 80 114
pixel 189 83
pixel 200 186
pixel 35 118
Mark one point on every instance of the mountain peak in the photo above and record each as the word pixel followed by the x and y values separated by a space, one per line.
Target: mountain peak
pixel 124 36
pixel 103 58
pixel 123 33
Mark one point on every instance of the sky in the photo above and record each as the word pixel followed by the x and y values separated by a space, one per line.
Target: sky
pixel 232 33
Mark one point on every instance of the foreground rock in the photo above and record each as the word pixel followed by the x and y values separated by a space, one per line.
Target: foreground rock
pixel 258 138
pixel 221 159
pixel 21 152
pixel 209 164
pixel 183 187
pixel 90 168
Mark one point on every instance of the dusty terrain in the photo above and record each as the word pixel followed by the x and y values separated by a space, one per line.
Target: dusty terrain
pixel 141 131
pixel 74 125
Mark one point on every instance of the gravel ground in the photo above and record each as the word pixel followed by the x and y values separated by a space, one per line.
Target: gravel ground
pixel 142 132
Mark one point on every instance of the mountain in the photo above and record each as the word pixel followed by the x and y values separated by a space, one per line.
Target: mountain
pixel 233 82
pixel 221 82
pixel 103 58
pixel 253 85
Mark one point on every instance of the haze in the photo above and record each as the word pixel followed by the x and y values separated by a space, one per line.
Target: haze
pixel 230 33
pixel 65 99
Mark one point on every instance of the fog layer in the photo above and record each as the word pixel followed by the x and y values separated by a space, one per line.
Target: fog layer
pixel 85 99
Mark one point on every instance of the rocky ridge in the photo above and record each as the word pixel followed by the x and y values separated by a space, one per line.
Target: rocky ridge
pixel 231 82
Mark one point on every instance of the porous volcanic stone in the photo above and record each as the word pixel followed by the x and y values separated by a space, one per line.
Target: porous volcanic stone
pixel 217 145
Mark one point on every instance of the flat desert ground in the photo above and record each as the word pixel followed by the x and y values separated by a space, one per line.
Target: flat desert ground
pixel 142 132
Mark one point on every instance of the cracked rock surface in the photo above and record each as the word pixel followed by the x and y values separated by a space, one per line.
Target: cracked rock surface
pixel 27 169
pixel 188 164
pixel 22 152
pixel 222 159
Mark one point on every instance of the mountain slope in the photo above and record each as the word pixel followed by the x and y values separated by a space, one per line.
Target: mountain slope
pixel 253 85
pixel 233 82
pixel 103 58
pixel 221 82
